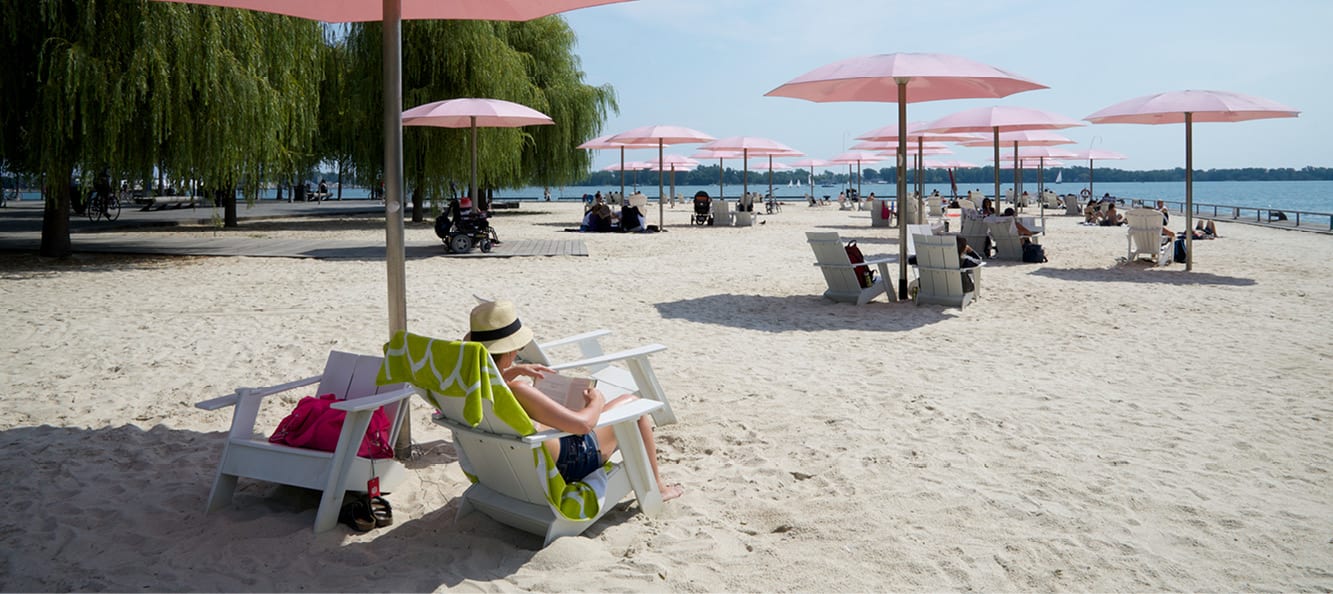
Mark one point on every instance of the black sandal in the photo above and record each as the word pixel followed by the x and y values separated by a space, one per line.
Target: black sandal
pixel 381 511
pixel 357 514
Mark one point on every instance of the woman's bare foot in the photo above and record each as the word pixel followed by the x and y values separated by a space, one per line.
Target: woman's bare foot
pixel 670 492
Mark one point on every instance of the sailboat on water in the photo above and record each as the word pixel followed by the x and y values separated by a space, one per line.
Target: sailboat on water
pixel 1058 175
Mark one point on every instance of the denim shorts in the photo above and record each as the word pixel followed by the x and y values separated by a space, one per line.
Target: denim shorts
pixel 579 456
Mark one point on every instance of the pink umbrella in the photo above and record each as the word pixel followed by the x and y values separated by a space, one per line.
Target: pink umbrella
pixel 392 12
pixel 904 78
pixel 811 164
pixel 471 113
pixel 624 166
pixel 772 166
pixel 751 146
pixel 673 163
pixel 889 134
pixel 719 155
pixel 1096 155
pixel 603 142
pixel 857 157
pixel 662 135
pixel 1190 106
pixel 1001 119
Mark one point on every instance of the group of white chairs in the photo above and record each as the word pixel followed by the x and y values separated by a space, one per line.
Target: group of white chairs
pixel 511 482
pixel 933 257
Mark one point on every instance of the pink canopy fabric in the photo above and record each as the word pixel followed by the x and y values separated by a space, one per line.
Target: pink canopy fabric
pixel 669 162
pixel 930 77
pixel 1096 155
pixel 751 146
pixel 604 142
pixel 354 11
pixel 1024 138
pixel 915 133
pixel 904 78
pixel 468 112
pixel 1000 119
pixel 628 166
pixel 1205 106
pixel 1187 107
pixel 473 113
pixel 662 135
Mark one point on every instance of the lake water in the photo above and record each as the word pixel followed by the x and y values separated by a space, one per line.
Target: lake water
pixel 1308 196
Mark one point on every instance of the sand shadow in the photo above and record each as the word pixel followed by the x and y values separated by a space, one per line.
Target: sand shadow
pixel 806 313
pixel 1143 273
pixel 139 495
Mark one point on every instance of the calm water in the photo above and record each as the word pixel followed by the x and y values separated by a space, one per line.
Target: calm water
pixel 1309 196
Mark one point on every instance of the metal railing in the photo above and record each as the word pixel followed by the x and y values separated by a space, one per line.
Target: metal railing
pixel 1247 214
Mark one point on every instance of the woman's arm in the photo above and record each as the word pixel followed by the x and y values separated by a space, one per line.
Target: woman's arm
pixel 548 412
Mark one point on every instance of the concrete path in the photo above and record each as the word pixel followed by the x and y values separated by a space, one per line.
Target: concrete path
pixel 21 223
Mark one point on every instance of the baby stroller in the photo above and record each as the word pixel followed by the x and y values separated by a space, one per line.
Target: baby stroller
pixel 703 209
pixel 461 228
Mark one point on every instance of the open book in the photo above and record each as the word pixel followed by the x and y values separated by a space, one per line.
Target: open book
pixel 565 389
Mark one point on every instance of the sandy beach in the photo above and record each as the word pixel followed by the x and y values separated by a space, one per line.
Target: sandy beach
pixel 1085 426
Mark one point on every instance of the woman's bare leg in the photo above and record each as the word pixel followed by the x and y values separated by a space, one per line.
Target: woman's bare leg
pixel 606 440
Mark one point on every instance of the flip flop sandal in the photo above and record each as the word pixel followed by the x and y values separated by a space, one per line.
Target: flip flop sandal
pixel 381 511
pixel 356 513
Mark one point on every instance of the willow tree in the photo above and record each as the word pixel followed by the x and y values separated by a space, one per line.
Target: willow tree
pixel 495 60
pixel 127 85
pixel 232 95
pixel 578 109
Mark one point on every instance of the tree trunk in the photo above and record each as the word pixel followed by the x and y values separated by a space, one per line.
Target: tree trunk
pixel 55 217
pixel 226 198
pixel 340 180
pixel 418 208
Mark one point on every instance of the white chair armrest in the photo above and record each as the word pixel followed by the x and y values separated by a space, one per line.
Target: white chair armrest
pixel 577 338
pixel 634 353
pixel 230 399
pixel 628 412
pixel 374 402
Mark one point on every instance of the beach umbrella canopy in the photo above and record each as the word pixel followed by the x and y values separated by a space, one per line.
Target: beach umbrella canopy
pixel 474 113
pixel 1000 119
pixel 1023 138
pixel 628 166
pixel 811 163
pixel 1187 107
pixel 903 78
pixel 719 155
pixel 604 142
pixel 661 135
pixel 858 157
pixel 392 13
pixel 1097 155
pixel 751 146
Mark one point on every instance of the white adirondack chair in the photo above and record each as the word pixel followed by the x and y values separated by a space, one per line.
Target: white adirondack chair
pixel 247 452
pixel 744 215
pixel 939 278
pixel 510 469
pixel 1145 236
pixel 935 206
pixel 1072 207
pixel 1008 243
pixel 722 215
pixel 975 231
pixel 840 274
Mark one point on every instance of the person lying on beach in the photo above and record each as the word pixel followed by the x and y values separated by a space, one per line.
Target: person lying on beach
pixel 497 327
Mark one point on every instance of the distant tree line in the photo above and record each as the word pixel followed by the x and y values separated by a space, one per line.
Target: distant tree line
pixel 708 175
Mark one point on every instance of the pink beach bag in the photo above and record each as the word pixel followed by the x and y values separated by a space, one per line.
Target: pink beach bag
pixel 316 426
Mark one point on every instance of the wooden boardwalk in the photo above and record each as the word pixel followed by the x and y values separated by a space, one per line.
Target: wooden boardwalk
pixel 207 245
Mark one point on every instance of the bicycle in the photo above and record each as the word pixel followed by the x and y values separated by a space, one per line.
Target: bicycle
pixel 103 204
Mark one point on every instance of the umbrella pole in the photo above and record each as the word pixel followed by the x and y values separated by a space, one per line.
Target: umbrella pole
pixel 395 255
pixel 745 175
pixel 472 187
pixel 1018 179
pixel 1189 191
pixel 995 130
pixel 770 175
pixel 721 181
pixel 622 171
pixel 902 187
pixel 1092 196
pixel 1041 196
pixel 661 224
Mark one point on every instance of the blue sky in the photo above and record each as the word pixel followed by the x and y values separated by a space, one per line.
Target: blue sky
pixel 706 64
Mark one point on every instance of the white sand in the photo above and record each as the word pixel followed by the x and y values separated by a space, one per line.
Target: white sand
pixel 1085 426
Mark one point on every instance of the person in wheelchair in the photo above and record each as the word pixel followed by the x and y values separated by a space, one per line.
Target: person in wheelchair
pixel 462 227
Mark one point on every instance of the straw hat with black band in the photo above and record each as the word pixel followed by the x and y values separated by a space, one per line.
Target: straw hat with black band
pixel 497 327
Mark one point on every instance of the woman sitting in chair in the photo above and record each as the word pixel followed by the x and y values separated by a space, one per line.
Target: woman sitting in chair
pixel 496 326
